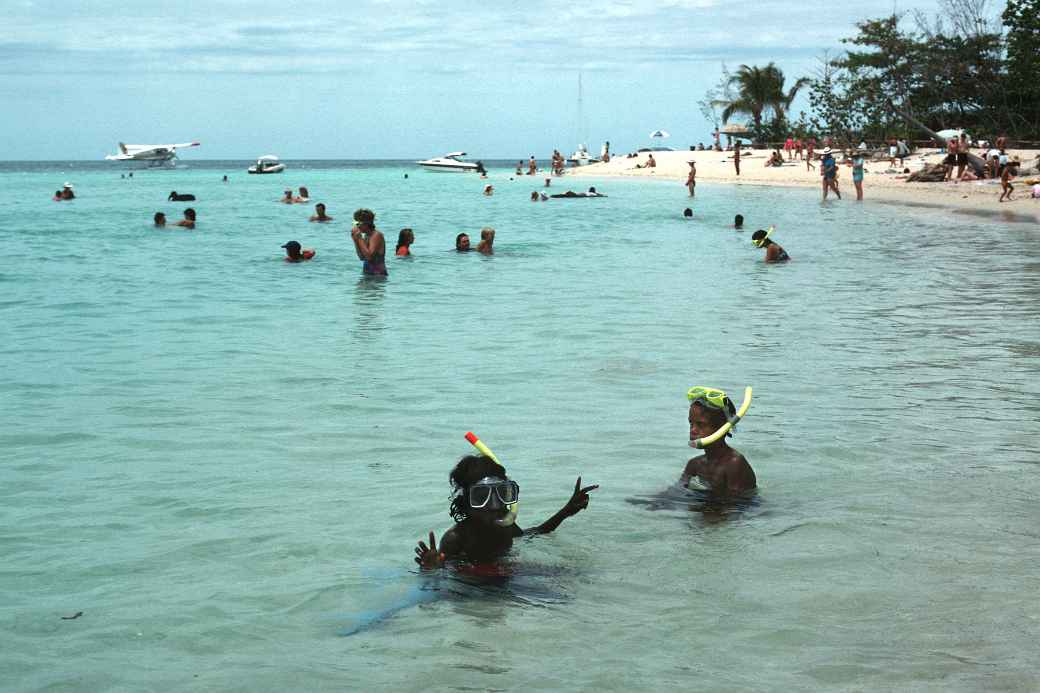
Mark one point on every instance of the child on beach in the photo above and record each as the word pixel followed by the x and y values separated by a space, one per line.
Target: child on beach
pixel 484 510
pixel 1005 184
pixel 774 251
pixel 723 470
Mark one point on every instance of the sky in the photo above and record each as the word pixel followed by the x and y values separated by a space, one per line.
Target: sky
pixel 375 79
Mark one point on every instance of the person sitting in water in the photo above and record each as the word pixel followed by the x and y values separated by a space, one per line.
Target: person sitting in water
pixel 188 221
pixel 487 241
pixel 534 196
pixel 484 511
pixel 67 193
pixel 687 213
pixel 774 251
pixel 304 196
pixel 177 197
pixel 369 243
pixel 738 222
pixel 489 190
pixel 57 196
pixel 159 219
pixel 723 470
pixel 288 199
pixel 404 243
pixel 320 216
pixel 294 253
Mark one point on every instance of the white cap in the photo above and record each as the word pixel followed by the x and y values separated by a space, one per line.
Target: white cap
pixel 67 185
pixel 826 150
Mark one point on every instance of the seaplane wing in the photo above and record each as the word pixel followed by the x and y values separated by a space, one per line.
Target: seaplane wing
pixel 149 152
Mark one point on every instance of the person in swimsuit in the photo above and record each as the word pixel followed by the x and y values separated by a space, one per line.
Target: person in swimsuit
pixel 67 193
pixel 774 251
pixel 1005 184
pixel 369 243
pixel 320 216
pixel 159 219
pixel 691 179
pixel 404 243
pixel 857 173
pixel 462 243
pixel 487 241
pixel 288 199
pixel 484 510
pixel 304 196
pixel 736 157
pixel 721 469
pixel 829 173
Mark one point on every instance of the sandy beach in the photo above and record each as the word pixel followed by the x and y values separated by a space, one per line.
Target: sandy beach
pixel 880 180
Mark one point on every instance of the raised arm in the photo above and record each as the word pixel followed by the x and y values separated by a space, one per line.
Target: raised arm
pixel 579 500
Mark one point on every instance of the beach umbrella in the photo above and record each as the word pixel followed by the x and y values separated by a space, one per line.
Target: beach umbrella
pixel 949 133
pixel 659 133
pixel 734 129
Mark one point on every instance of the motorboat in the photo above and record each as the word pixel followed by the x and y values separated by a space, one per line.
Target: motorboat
pixel 268 163
pixel 451 162
pixel 581 157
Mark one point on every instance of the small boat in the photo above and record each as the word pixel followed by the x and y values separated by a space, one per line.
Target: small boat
pixel 268 163
pixel 451 162
pixel 581 157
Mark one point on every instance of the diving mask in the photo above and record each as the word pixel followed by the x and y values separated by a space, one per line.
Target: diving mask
pixel 493 493
pixel 761 241
pixel 709 397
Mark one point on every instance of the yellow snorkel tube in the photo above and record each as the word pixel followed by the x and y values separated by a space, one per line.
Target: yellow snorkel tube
pixel 717 435
pixel 513 508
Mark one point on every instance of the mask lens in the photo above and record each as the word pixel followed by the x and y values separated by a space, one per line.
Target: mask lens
pixel 479 496
pixel 508 492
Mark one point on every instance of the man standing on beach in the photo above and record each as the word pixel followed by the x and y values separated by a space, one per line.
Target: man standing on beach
pixel 736 157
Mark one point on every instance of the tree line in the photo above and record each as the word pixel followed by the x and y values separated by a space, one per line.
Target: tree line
pixel 961 69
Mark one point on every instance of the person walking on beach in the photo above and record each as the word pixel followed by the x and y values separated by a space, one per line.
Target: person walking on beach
pixel 829 173
pixel 736 157
pixel 1005 184
pixel 369 243
pixel 962 155
pixel 798 148
pixel 691 179
pixel 857 174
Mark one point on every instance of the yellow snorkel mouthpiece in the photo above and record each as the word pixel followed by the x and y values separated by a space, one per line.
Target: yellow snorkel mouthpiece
pixel 717 435
pixel 510 517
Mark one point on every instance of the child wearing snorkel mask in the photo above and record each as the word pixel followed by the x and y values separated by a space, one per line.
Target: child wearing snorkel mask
pixel 723 470
pixel 484 508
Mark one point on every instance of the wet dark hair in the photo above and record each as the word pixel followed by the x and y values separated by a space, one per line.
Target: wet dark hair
pixel 189 213
pixel 459 238
pixel 365 216
pixel 468 471
pixel 687 212
pixel 738 220
pixel 158 216
pixel 402 238
pixel 758 235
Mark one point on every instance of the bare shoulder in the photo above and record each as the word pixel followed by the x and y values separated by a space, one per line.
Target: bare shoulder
pixel 739 474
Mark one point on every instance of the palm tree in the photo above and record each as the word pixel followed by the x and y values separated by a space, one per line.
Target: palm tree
pixel 760 89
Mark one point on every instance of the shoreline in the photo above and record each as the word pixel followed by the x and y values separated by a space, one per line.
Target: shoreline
pixel 880 182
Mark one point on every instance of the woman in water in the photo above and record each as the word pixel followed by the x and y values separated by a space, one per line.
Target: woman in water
pixel 487 241
pixel 774 251
pixel 462 243
pixel 404 243
pixel 304 196
pixel 369 243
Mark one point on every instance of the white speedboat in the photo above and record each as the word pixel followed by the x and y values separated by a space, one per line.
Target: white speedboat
pixel 267 164
pixel 451 162
pixel 581 157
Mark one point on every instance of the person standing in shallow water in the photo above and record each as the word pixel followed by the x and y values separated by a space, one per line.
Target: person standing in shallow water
pixel 369 243
pixel 723 470
pixel 774 251
pixel 691 179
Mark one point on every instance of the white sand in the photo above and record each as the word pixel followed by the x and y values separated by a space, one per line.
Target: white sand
pixel 879 180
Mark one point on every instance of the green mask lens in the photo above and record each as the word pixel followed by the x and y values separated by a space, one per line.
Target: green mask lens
pixel 710 396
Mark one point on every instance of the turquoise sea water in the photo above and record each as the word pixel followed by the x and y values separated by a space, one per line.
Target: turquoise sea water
pixel 224 461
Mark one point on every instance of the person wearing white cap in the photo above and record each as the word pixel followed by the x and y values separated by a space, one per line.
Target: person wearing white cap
pixel 829 172
pixel 66 192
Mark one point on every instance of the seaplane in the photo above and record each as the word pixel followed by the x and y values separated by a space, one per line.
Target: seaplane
pixel 154 155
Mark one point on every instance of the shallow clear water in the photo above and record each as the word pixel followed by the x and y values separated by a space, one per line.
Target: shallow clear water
pixel 224 461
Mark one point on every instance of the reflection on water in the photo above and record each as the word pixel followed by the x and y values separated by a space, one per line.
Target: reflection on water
pixel 369 308
pixel 713 507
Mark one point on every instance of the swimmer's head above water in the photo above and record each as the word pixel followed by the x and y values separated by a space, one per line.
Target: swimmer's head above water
pixel 713 414
pixel 364 217
pixel 483 492
pixel 738 221
pixel 688 213
pixel 462 242
pixel 760 238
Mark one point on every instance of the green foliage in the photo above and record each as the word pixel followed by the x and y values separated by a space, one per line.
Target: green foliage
pixel 757 92
pixel 1022 23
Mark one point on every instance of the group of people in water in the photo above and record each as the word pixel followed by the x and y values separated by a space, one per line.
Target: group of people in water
pixel 485 500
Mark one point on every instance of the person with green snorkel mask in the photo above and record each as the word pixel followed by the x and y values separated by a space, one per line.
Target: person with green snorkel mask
pixel 484 508
pixel 774 251
pixel 721 469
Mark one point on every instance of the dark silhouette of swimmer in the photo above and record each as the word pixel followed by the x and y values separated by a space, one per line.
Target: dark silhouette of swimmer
pixel 738 221
pixel 294 253
pixel 484 528
pixel 159 219
pixel 176 197
pixel 462 243
pixel 688 213
pixel 721 468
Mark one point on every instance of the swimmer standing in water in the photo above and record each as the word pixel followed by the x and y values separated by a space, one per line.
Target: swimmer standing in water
pixel 369 243
pixel 462 243
pixel 159 219
pixel 188 221
pixel 320 215
pixel 487 241
pixel 721 469
pixel 484 508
